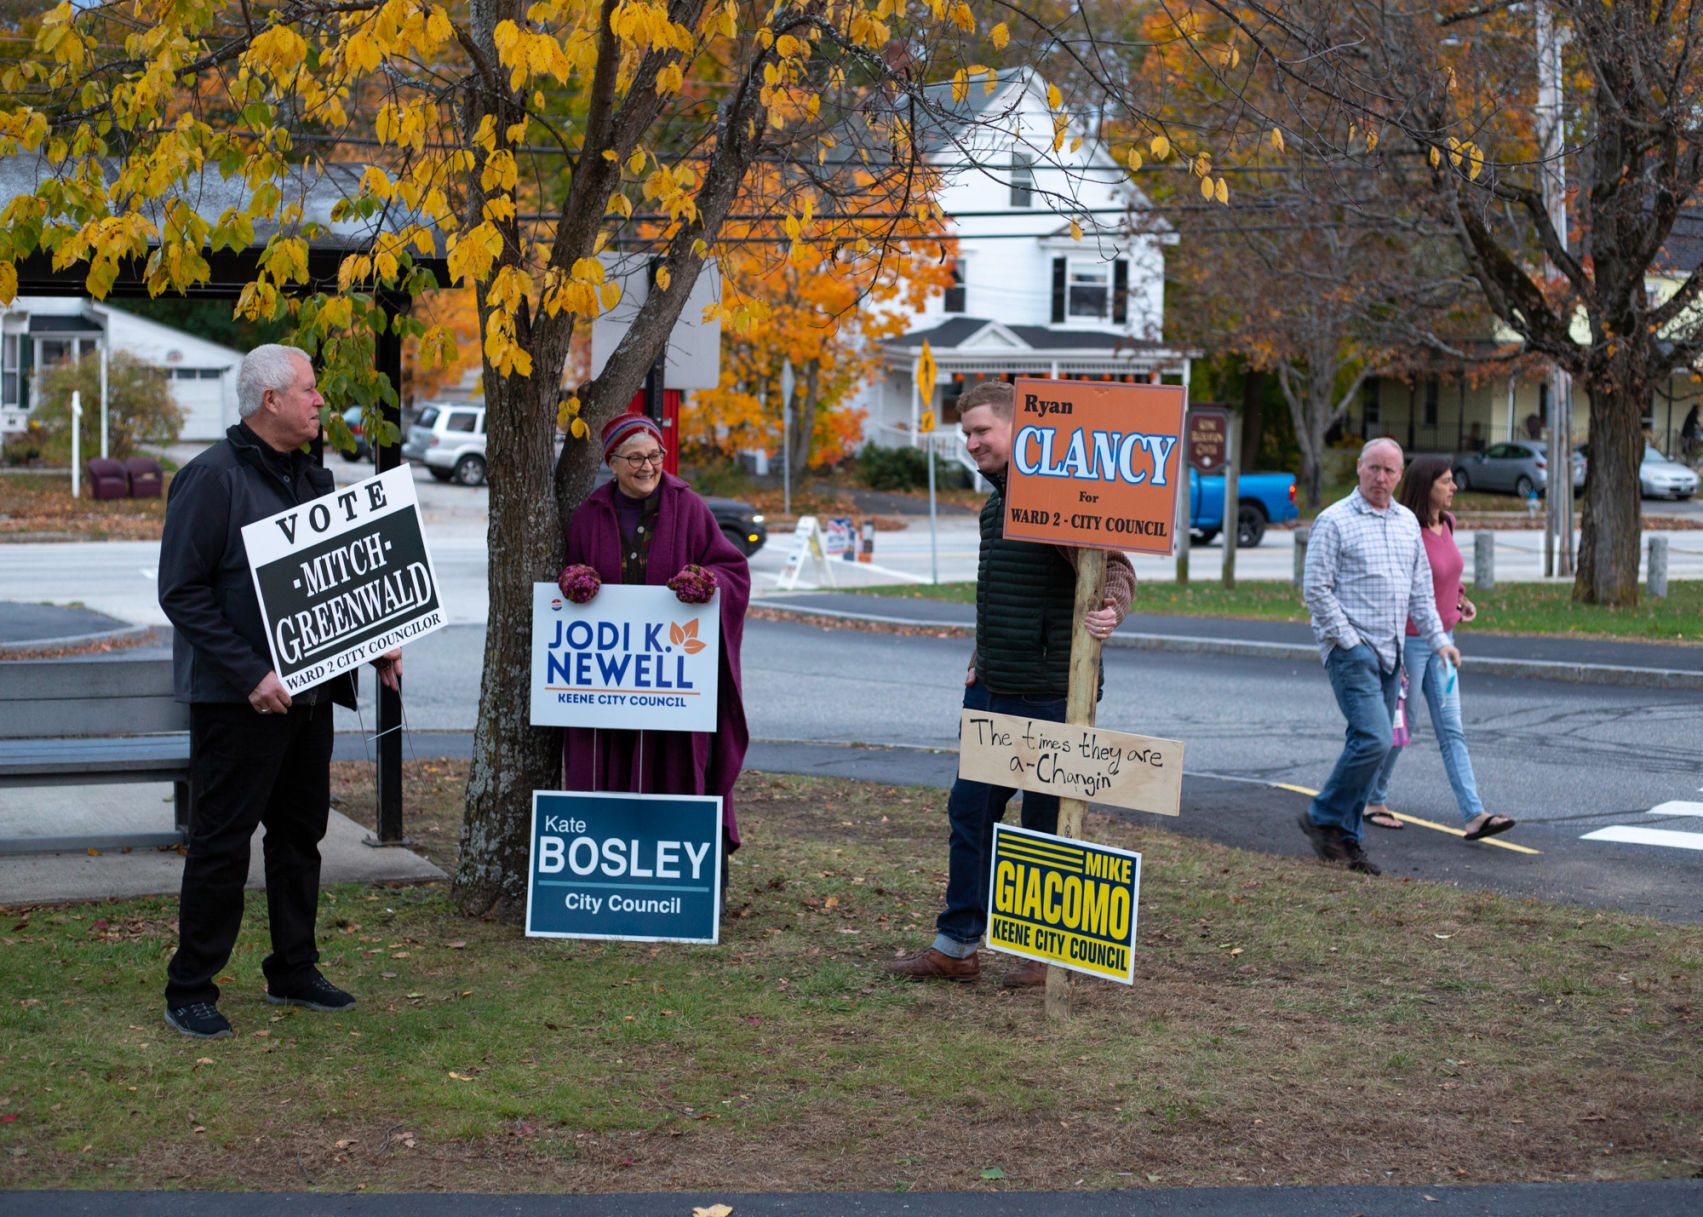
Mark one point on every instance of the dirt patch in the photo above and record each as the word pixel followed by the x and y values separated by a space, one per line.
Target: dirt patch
pixel 39 507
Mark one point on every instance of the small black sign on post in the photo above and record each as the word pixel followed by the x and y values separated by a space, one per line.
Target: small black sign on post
pixel 343 579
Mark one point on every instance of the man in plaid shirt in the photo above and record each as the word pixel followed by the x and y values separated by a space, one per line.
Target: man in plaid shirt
pixel 1367 574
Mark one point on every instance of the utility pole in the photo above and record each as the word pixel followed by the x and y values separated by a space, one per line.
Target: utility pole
pixel 1558 519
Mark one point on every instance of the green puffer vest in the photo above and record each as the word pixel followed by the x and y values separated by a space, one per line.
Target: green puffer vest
pixel 1025 608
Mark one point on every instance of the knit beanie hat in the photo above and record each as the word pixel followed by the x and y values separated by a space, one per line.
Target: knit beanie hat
pixel 622 428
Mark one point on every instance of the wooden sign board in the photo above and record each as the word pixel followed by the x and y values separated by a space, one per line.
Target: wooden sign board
pixel 1086 763
pixel 1209 438
pixel 1095 463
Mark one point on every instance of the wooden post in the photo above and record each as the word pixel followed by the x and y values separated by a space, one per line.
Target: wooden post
pixel 1232 502
pixel 1185 515
pixel 1079 712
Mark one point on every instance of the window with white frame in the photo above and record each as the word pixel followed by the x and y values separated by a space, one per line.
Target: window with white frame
pixel 1089 291
pixel 1022 180
pixel 9 371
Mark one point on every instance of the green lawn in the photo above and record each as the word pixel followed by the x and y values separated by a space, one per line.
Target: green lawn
pixel 1513 608
pixel 1463 1037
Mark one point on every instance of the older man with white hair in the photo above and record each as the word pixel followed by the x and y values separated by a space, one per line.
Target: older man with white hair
pixel 257 755
pixel 1366 575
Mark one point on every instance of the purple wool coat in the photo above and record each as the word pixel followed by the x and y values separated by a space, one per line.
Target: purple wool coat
pixel 667 762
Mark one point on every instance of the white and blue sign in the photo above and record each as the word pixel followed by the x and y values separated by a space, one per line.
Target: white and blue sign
pixel 632 658
pixel 637 867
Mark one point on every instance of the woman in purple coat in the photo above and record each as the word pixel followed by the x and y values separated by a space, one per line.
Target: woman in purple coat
pixel 649 527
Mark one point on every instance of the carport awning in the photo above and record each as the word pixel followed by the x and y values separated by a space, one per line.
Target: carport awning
pixel 65 323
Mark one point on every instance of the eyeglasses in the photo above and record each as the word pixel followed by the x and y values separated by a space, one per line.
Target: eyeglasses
pixel 640 460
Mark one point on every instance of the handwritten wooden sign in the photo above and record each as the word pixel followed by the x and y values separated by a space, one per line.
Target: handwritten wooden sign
pixel 1048 757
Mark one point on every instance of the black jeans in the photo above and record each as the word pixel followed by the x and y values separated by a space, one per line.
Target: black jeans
pixel 250 769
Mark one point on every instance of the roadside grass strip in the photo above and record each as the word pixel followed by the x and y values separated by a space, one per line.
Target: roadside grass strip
pixel 1454 1035
pixel 1511 608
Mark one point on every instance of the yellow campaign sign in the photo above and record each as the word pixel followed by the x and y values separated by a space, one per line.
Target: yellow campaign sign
pixel 926 373
pixel 1065 902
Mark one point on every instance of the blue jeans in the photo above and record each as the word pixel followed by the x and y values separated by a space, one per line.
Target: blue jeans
pixel 1366 695
pixel 973 808
pixel 1421 661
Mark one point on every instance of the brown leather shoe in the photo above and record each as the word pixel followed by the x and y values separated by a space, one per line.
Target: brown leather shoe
pixel 934 965
pixel 1029 974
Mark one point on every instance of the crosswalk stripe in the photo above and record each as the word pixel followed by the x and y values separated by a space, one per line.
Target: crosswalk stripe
pixel 1677 807
pixel 1629 834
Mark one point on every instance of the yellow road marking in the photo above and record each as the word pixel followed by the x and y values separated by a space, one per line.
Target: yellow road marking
pixel 1461 832
pixel 1453 832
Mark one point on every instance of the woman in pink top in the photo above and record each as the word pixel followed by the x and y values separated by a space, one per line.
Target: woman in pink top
pixel 1427 491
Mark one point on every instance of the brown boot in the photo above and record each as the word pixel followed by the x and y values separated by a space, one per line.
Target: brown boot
pixel 934 965
pixel 1027 975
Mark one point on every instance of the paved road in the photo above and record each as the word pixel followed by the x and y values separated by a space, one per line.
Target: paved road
pixel 1563 759
pixel 1668 1198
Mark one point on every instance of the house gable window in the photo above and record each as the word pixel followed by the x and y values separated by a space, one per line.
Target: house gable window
pixel 1089 290
pixel 1022 180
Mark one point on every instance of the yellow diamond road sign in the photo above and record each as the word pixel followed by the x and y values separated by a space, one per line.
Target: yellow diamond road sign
pixel 926 372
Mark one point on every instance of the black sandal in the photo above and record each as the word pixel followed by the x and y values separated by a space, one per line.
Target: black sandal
pixel 1490 828
pixel 1384 819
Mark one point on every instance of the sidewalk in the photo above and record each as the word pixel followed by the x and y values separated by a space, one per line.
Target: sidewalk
pixel 1584 661
pixel 139 807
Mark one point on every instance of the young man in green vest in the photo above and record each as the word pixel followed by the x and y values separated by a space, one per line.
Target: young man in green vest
pixel 1025 613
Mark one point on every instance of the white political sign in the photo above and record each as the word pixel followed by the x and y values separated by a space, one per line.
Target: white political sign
pixel 632 658
pixel 343 578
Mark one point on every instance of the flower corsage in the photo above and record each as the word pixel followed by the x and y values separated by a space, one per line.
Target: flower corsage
pixel 693 585
pixel 579 583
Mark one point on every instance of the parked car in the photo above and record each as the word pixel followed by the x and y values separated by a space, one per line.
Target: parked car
pixel 1261 498
pixel 740 522
pixel 1658 477
pixel 1518 467
pixel 363 450
pixel 450 442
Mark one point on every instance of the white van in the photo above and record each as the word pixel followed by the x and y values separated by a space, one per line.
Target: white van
pixel 450 442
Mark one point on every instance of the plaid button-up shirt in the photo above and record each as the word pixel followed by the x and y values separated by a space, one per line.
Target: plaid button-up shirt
pixel 1366 575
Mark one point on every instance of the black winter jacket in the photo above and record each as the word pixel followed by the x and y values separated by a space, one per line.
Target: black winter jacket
pixel 219 651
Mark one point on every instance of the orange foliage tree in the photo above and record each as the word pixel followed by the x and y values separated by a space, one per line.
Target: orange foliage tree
pixel 826 307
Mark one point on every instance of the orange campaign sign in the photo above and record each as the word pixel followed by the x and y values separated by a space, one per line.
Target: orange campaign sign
pixel 1095 463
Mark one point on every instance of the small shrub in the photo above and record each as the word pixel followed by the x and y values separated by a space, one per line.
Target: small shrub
pixel 140 409
pixel 905 469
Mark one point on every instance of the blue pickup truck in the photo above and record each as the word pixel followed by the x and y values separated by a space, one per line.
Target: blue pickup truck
pixel 1264 498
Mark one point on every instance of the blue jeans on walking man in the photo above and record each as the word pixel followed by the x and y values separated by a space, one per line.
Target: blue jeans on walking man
pixel 973 809
pixel 1366 695
pixel 1425 669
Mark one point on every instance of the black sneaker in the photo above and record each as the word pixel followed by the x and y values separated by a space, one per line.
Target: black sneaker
pixel 314 992
pixel 1357 859
pixel 200 1020
pixel 1327 841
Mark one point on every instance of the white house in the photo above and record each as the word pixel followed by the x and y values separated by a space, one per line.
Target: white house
pixel 1029 298
pixel 39 332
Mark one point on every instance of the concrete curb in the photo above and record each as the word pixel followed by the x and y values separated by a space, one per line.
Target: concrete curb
pixel 1530 669
pixel 75 640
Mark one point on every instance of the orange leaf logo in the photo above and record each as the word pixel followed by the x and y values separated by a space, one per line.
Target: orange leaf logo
pixel 685 637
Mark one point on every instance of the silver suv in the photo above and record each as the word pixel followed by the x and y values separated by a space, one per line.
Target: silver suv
pixel 450 442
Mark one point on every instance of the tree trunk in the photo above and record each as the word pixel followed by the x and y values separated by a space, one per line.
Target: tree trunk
pixel 1253 419
pixel 1612 521
pixel 511 758
pixel 805 393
